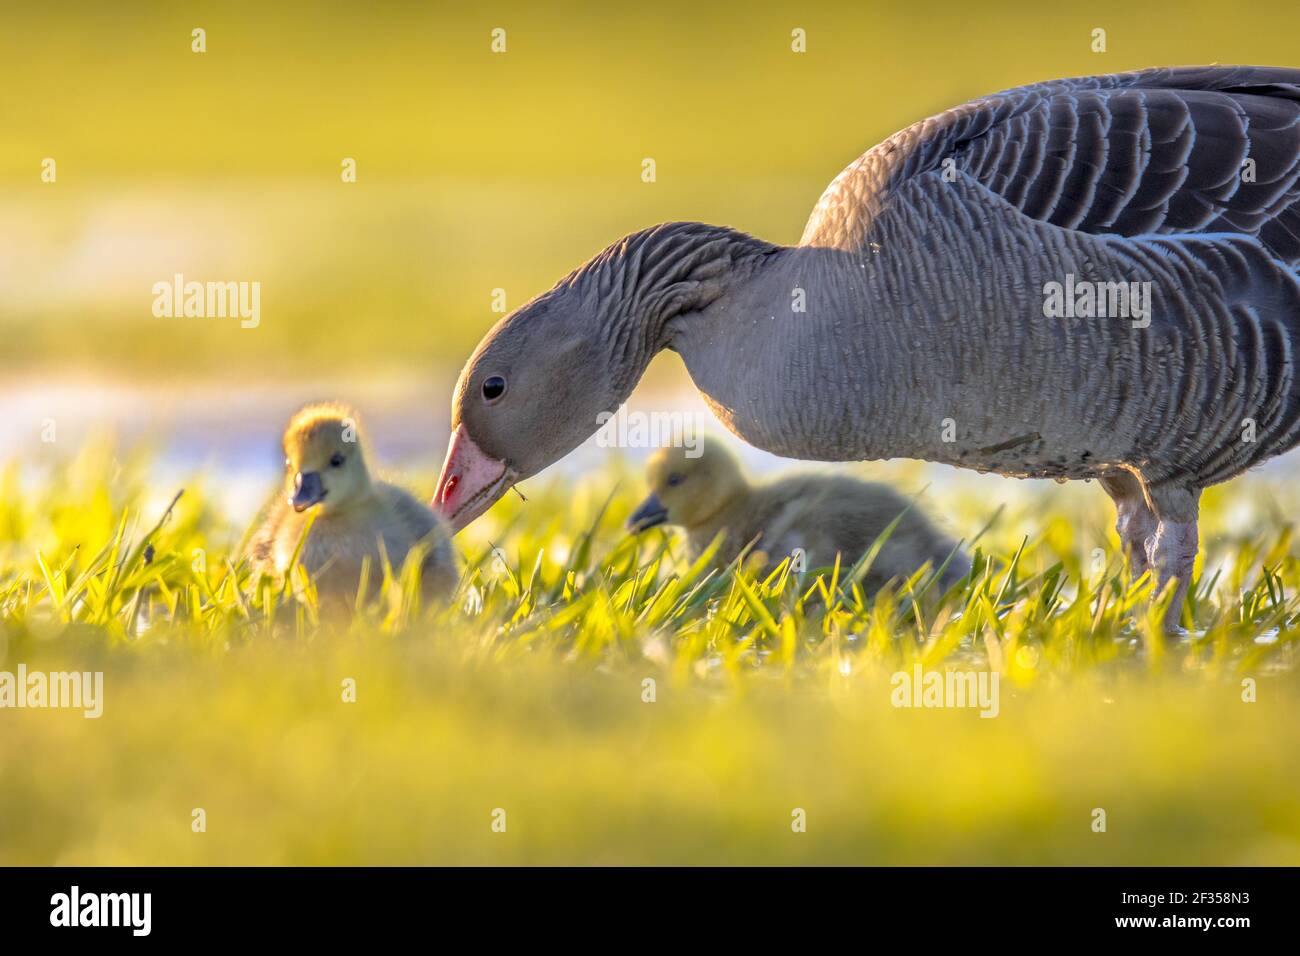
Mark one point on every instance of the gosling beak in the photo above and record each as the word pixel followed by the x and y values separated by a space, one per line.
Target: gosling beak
pixel 471 481
pixel 307 490
pixel 651 512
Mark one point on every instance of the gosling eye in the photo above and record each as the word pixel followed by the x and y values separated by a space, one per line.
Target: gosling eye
pixel 675 479
pixel 494 386
pixel 336 460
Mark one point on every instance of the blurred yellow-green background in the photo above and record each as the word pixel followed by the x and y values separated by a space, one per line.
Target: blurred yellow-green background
pixel 476 170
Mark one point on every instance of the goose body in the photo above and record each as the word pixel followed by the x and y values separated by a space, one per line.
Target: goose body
pixel 822 516
pixel 920 315
pixel 357 519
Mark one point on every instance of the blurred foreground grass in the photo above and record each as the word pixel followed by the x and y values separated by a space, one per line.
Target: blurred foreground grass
pixel 528 696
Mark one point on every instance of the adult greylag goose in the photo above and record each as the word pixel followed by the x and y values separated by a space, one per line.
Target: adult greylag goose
pixel 1084 278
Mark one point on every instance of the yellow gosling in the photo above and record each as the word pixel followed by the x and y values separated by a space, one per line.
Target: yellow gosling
pixel 821 514
pixel 356 516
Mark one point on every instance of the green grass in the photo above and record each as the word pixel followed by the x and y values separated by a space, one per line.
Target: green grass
pixel 772 692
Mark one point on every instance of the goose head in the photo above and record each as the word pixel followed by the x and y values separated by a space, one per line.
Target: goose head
pixel 688 487
pixel 538 384
pixel 533 390
pixel 324 466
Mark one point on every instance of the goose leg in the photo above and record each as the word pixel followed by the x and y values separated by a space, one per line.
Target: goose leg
pixel 1135 522
pixel 1171 551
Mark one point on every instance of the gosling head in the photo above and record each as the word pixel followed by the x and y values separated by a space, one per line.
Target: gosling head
pixel 323 460
pixel 688 486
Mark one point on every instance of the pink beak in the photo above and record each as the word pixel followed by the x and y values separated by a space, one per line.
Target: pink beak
pixel 471 481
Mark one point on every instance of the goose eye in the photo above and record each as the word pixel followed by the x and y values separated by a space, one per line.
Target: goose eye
pixel 336 460
pixel 494 386
pixel 675 479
